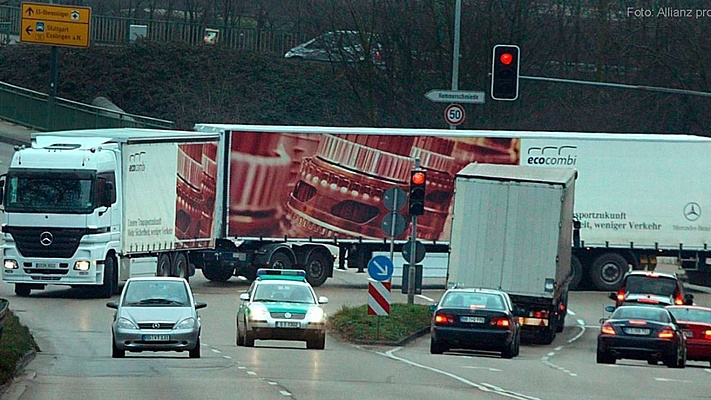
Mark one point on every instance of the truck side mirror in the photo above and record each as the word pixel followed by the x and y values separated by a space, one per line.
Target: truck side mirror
pixel 2 188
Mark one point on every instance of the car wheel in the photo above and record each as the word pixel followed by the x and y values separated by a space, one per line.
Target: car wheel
pixel 240 339
pixel 195 351
pixel 248 338
pixel 604 358
pixel 677 360
pixel 510 350
pixel 518 345
pixel 437 347
pixel 22 289
pixel 115 351
pixel 317 342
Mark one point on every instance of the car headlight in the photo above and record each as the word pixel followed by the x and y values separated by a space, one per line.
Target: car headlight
pixel 125 323
pixel 258 312
pixel 315 314
pixel 187 323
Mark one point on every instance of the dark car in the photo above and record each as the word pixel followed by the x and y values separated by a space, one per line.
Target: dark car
pixel 695 321
pixel 651 288
pixel 340 46
pixel 641 333
pixel 476 319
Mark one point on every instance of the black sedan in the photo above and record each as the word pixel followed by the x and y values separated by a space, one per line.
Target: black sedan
pixel 477 319
pixel 641 333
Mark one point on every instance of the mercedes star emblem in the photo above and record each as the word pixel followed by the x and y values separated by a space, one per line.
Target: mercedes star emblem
pixel 692 211
pixel 46 238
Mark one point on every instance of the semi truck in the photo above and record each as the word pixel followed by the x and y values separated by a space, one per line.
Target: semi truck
pixel 512 230
pixel 312 197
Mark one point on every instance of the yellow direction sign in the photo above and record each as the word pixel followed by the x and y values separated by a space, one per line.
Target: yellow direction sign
pixel 55 24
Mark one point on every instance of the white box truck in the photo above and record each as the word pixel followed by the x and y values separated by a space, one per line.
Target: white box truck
pixel 511 230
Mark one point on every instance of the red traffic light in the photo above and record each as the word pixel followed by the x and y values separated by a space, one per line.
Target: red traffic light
pixel 417 178
pixel 506 58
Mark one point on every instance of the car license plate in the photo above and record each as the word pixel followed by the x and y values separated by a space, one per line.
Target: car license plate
pixel 688 333
pixel 46 265
pixel 156 338
pixel 636 331
pixel 473 320
pixel 287 324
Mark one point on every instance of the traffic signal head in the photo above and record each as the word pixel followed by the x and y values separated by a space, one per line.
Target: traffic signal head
pixel 504 72
pixel 416 198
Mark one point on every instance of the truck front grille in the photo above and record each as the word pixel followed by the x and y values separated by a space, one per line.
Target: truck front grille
pixel 47 242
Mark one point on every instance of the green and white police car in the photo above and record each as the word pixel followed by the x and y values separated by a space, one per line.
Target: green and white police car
pixel 281 305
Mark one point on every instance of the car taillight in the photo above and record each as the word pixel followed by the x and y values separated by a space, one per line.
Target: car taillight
pixel 501 322
pixel 443 319
pixel 666 333
pixel 607 329
pixel 707 335
pixel 638 322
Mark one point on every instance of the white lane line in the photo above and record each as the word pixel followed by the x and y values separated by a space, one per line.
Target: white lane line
pixel 251 373
pixel 579 324
pixel 486 368
pixel 425 298
pixel 284 393
pixel 482 387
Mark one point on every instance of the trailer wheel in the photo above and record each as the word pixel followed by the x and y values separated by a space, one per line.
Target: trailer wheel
pixel 317 267
pixel 216 272
pixel 180 264
pixel 280 260
pixel 607 271
pixel 577 270
pixel 163 268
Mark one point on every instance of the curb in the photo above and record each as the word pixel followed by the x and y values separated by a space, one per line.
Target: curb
pixel 19 368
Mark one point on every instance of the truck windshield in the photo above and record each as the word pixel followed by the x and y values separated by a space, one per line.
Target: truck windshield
pixel 50 192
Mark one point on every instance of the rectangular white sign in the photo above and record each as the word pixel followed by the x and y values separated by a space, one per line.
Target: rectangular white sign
pixel 455 96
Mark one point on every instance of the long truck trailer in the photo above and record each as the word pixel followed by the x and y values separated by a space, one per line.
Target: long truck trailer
pixel 638 196
pixel 311 197
pixel 514 228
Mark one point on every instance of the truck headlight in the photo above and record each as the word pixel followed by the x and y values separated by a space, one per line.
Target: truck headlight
pixel 10 264
pixel 82 265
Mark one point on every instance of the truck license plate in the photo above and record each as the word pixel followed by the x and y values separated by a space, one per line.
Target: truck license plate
pixel 287 324
pixel 156 338
pixel 46 265
pixel 473 320
pixel 636 331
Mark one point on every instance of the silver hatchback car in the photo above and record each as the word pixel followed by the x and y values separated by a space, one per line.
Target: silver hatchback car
pixel 156 314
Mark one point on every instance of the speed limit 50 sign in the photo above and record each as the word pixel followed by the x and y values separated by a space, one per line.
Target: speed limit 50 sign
pixel 454 114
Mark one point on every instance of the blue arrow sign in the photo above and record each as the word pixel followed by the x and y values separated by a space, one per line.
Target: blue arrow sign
pixel 380 268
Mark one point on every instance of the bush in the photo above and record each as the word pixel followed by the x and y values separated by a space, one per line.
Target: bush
pixel 354 323
pixel 15 343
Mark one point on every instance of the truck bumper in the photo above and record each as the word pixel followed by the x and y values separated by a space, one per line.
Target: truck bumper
pixel 56 271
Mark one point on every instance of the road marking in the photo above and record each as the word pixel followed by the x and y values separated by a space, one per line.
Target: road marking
pixel 671 380
pixel 425 298
pixel 284 392
pixel 581 325
pixel 487 368
pixel 484 387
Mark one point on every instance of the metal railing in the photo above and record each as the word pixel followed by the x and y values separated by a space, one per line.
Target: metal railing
pixel 41 112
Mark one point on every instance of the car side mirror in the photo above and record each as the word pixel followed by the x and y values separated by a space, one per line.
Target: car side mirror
pixel 322 300
pixel 433 307
pixel 244 296
pixel 200 304
pixel 610 308
pixel 689 299
pixel 112 304
pixel 612 296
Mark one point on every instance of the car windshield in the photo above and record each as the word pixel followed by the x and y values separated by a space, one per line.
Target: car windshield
pixel 691 315
pixel 152 293
pixel 653 285
pixel 645 313
pixel 280 292
pixel 488 301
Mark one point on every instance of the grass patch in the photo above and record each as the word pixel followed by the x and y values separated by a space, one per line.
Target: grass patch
pixel 16 341
pixel 354 323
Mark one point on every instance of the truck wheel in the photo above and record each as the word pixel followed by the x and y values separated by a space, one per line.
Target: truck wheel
pixel 180 263
pixel 163 268
pixel 577 270
pixel 607 272
pixel 216 272
pixel 280 260
pixel 22 289
pixel 109 283
pixel 317 266
pixel 547 335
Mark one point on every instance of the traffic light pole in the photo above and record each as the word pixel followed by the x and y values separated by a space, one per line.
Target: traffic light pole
pixel 411 273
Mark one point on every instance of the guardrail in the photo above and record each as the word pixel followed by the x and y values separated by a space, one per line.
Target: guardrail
pixel 20 105
pixel 4 313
